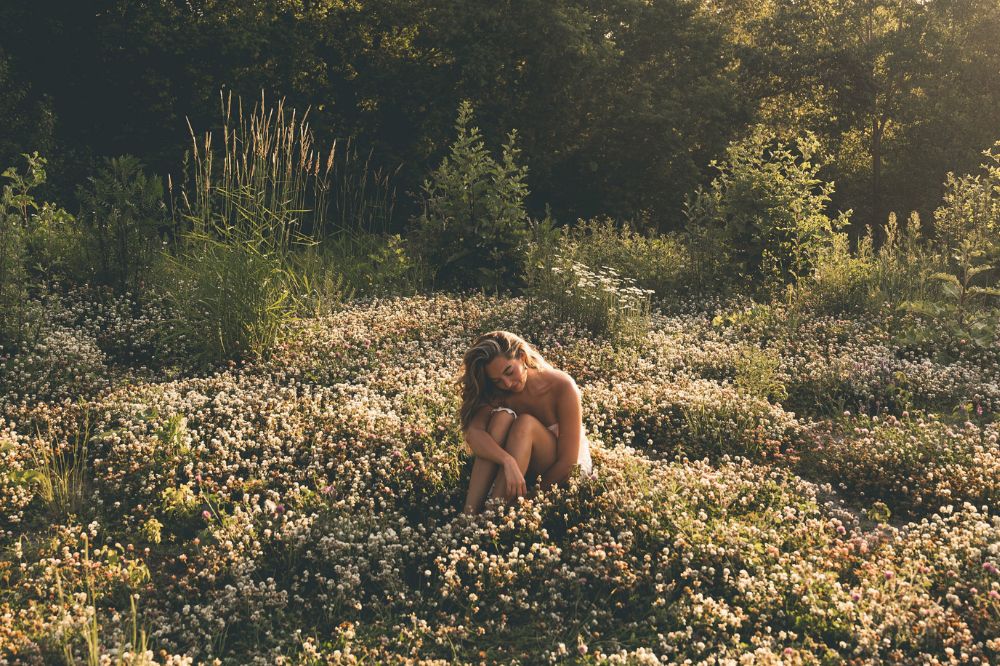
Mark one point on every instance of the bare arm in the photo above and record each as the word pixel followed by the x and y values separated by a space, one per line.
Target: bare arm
pixel 483 444
pixel 569 414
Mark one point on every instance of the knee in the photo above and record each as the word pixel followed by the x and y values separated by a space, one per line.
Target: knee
pixel 523 425
pixel 499 427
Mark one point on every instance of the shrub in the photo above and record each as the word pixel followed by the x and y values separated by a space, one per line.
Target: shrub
pixel 14 217
pixel 840 282
pixel 473 230
pixel 764 215
pixel 962 304
pixel 56 246
pixel 602 301
pixel 954 312
pixel 657 263
pixel 36 240
pixel 971 208
pixel 372 264
pixel 124 211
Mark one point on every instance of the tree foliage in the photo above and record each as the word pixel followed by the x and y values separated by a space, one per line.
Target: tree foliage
pixel 619 105
pixel 474 229
pixel 765 213
pixel 898 93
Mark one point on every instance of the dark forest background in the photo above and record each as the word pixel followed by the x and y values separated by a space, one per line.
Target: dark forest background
pixel 620 105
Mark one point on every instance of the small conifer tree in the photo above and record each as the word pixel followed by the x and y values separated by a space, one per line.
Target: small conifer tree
pixel 473 231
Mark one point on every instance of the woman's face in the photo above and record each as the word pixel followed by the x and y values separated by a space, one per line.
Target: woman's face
pixel 507 374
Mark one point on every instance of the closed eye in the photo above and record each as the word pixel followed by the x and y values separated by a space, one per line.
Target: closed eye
pixel 497 381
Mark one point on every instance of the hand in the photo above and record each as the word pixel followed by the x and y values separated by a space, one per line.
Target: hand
pixel 516 486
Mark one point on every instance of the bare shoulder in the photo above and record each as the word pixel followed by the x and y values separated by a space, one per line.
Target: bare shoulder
pixel 562 382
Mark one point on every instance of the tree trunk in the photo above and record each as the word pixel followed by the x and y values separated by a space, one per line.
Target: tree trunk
pixel 878 125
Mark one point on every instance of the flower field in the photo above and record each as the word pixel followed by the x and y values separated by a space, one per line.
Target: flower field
pixel 770 489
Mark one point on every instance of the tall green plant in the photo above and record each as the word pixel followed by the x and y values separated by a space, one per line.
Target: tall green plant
pixel 968 247
pixel 956 310
pixel 34 238
pixel 764 216
pixel 236 278
pixel 903 262
pixel 971 208
pixel 124 210
pixel 473 231
pixel 15 207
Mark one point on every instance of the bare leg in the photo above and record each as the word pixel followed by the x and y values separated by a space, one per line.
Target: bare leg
pixel 532 445
pixel 484 471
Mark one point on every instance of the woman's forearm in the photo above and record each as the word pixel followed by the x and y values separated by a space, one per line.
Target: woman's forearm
pixel 484 446
pixel 557 473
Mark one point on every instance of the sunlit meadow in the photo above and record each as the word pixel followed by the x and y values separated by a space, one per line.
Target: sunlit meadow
pixel 769 490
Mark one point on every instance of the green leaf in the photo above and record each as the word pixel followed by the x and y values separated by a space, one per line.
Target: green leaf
pixel 25 477
pixel 926 308
pixel 952 290
pixel 973 271
pixel 947 278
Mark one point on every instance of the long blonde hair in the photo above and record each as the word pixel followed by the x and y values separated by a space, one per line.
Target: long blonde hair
pixel 477 389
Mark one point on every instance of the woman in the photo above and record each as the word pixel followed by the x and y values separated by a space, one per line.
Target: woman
pixel 520 416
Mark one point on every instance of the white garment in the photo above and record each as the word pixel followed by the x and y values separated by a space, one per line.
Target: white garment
pixel 583 458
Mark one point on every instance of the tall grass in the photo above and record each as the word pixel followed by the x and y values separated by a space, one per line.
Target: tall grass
pixel 254 213
pixel 270 178
pixel 134 652
pixel 364 198
pixel 240 273
pixel 231 296
pixel 58 468
pixel 357 252
pixel 269 162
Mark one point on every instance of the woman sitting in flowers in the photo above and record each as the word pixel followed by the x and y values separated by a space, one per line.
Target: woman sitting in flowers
pixel 520 416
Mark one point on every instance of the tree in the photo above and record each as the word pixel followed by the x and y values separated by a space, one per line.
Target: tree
pixel 764 217
pixel 898 91
pixel 474 229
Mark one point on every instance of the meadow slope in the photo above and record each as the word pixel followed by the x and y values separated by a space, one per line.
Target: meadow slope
pixel 768 491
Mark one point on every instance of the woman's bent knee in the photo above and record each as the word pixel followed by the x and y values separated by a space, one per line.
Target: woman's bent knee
pixel 499 427
pixel 525 423
pixel 501 418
